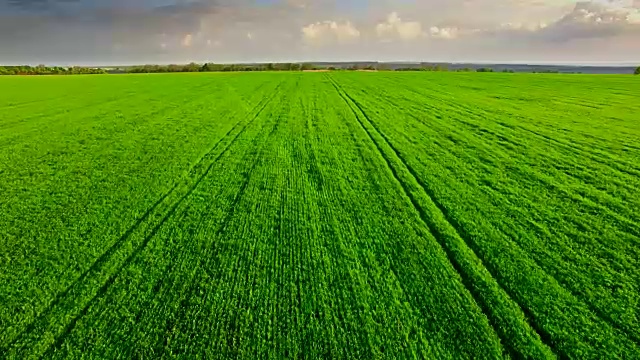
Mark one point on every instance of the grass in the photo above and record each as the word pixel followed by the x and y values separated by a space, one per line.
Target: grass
pixel 320 215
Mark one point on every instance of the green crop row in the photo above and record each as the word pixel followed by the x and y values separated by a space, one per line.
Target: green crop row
pixel 319 215
pixel 554 238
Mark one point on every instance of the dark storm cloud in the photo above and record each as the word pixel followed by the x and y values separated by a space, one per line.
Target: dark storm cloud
pixel 93 31
pixel 37 4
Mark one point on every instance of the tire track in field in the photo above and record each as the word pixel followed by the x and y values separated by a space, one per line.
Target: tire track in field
pixel 622 328
pixel 221 226
pixel 339 315
pixel 198 266
pixel 464 112
pixel 43 321
pixel 465 275
pixel 404 289
pixel 613 212
pixel 171 211
pixel 597 205
pixel 226 326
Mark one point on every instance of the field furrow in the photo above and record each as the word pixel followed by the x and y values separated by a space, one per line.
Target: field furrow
pixel 507 318
pixel 366 215
pixel 485 239
pixel 104 270
pixel 186 224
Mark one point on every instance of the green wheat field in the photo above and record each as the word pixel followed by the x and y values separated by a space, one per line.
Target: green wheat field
pixel 320 215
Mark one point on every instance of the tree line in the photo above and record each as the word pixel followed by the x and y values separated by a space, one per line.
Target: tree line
pixel 48 70
pixel 212 67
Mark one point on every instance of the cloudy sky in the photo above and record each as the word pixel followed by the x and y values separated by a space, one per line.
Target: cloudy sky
pixel 176 31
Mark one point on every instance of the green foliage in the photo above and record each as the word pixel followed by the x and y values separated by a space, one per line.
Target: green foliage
pixel 637 72
pixel 45 70
pixel 319 215
pixel 425 67
pixel 211 67
pixel 484 69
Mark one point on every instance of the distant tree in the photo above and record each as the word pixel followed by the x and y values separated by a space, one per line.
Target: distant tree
pixel 281 66
pixel 637 72
pixel 192 67
pixel 485 69
pixel 174 68
pixel 45 70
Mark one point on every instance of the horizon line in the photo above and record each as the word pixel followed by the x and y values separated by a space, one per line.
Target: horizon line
pixel 525 63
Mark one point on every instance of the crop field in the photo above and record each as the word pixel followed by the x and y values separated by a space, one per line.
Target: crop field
pixel 320 215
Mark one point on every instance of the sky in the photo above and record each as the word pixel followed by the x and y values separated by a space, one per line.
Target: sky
pixel 109 32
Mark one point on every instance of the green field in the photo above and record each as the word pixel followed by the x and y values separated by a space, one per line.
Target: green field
pixel 320 215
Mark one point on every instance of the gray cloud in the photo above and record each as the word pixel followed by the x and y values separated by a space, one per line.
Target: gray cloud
pixel 119 31
pixel 591 20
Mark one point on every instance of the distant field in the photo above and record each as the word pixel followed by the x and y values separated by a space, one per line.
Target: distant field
pixel 320 215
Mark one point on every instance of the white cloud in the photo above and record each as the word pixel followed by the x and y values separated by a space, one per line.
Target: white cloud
pixel 395 28
pixel 586 20
pixel 330 31
pixel 593 19
pixel 444 32
pixel 187 40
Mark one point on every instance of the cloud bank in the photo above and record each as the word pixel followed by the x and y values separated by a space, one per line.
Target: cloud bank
pixel 165 31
